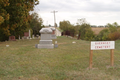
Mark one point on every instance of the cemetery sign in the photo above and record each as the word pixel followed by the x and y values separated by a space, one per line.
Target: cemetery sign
pixel 98 45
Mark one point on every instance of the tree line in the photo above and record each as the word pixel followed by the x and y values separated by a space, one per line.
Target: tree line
pixel 82 30
pixel 15 18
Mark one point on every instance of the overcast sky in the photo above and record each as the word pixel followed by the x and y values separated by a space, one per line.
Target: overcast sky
pixel 96 12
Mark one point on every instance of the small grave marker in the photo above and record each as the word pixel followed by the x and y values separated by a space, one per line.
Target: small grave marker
pixel 33 36
pixel 19 37
pixel 56 45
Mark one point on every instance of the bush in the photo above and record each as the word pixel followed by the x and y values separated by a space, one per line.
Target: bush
pixel 114 36
pixel 89 34
pixel 85 32
pixel 102 36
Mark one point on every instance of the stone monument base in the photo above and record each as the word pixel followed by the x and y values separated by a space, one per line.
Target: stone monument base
pixel 51 46
pixel 45 44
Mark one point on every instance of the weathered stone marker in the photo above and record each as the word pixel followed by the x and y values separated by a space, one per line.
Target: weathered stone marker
pixel 46 39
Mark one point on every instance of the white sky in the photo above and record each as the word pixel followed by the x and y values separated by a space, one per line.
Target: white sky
pixel 96 12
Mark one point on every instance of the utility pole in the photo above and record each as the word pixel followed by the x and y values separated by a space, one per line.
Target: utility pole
pixel 54 18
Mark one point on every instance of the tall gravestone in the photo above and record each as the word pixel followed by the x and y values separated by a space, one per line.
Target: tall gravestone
pixel 30 34
pixel 46 39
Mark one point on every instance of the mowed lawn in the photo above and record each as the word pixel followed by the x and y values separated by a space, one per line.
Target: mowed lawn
pixel 70 61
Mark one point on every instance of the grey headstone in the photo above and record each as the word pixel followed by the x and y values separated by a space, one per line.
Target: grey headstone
pixel 56 45
pixel 36 45
pixel 46 39
pixel 33 36
pixel 45 31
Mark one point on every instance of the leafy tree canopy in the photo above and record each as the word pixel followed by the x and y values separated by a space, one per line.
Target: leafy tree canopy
pixel 36 23
pixel 14 16
pixel 64 25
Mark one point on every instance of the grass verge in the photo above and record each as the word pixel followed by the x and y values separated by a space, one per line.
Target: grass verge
pixel 22 61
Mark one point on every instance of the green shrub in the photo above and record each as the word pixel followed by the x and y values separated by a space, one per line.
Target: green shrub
pixel 103 35
pixel 89 34
pixel 85 32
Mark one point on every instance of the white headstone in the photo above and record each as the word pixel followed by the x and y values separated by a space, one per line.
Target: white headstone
pixel 29 34
pixel 19 37
pixel 55 42
pixel 33 36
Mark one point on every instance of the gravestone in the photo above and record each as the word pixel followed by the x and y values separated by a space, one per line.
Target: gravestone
pixel 56 45
pixel 26 35
pixel 53 36
pixel 19 37
pixel 12 38
pixel 30 34
pixel 33 36
pixel 46 39
pixel 37 36
pixel 22 38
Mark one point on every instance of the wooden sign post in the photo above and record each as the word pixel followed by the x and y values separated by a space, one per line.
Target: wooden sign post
pixel 91 55
pixel 112 58
pixel 99 45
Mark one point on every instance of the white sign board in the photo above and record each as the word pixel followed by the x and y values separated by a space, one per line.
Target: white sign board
pixel 98 45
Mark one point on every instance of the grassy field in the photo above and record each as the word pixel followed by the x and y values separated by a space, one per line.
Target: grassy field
pixel 96 30
pixel 22 61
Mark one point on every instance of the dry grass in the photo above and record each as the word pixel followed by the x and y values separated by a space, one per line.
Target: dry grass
pixel 97 29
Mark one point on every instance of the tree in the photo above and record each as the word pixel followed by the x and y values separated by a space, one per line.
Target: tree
pixel 79 23
pixel 85 32
pixel 64 25
pixel 3 13
pixel 89 34
pixel 115 24
pixel 36 23
pixel 112 27
pixel 1 19
pixel 103 35
pixel 19 14
pixel 110 33
pixel 114 31
pixel 14 16
pixel 4 18
pixel 72 30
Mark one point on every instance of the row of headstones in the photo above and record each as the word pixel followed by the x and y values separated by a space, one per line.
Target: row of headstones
pixel 27 35
pixel 12 38
pixel 47 34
